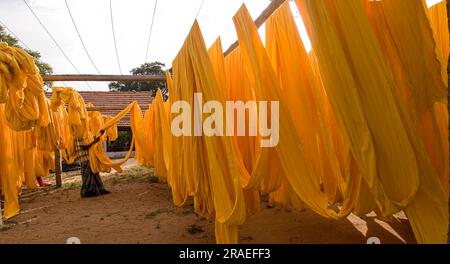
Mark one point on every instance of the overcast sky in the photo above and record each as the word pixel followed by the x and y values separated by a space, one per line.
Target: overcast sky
pixel 132 19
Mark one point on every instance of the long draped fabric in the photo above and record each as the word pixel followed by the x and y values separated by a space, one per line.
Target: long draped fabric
pixel 363 118
pixel 370 110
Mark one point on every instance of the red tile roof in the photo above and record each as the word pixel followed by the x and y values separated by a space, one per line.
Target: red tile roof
pixel 116 99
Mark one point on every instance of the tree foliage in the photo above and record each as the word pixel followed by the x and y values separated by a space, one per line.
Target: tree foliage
pixel 153 68
pixel 44 68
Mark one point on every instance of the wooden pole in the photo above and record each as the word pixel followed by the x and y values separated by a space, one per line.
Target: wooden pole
pixel 274 5
pixel 58 168
pixel 1 214
pixel 104 78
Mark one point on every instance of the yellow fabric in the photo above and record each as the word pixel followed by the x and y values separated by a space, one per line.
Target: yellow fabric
pixel 86 125
pixel 207 162
pixel 374 118
pixel 161 137
pixel 24 113
pixel 439 23
pixel 408 61
pixel 21 88
pixel 302 96
pixel 112 133
pixel 290 151
pixel 363 118
pixel 8 174
pixel 248 147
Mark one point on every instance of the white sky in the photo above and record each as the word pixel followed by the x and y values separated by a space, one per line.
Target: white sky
pixel 132 19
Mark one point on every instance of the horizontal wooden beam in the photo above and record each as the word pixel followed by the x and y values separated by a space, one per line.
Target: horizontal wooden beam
pixel 104 78
pixel 274 5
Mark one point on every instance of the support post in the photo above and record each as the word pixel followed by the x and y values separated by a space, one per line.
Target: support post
pixel 1 215
pixel 58 168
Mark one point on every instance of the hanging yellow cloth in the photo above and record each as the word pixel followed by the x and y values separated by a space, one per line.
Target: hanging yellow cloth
pixel 22 89
pixel 372 115
pixel 290 151
pixel 8 173
pixel 244 148
pixel 161 137
pixel 214 167
pixel 437 15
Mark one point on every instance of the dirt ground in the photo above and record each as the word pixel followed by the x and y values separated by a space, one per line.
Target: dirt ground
pixel 141 211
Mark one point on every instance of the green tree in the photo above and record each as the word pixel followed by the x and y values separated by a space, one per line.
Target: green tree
pixel 44 68
pixel 153 68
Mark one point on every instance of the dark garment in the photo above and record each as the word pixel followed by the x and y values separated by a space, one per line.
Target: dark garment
pixel 92 183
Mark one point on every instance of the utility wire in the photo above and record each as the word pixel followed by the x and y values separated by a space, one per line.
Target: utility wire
pixel 81 39
pixel 14 35
pixel 114 36
pixel 56 43
pixel 200 8
pixel 151 30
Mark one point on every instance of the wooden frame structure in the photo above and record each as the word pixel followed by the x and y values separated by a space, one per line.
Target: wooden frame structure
pixel 104 78
pixel 262 18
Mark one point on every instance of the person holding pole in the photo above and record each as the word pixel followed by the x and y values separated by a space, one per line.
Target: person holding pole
pixel 92 185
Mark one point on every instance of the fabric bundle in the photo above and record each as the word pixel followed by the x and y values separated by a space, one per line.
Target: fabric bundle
pixel 22 89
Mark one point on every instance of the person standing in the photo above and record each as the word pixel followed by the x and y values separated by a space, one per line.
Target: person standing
pixel 92 185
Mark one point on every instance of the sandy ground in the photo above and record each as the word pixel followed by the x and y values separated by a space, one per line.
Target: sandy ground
pixel 139 211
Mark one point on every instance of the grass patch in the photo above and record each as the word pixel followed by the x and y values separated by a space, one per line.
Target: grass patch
pixel 133 174
pixel 73 185
pixel 174 211
pixel 5 228
pixel 184 213
pixel 47 190
pixel 8 225
pixel 153 179
pixel 194 229
pixel 155 213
